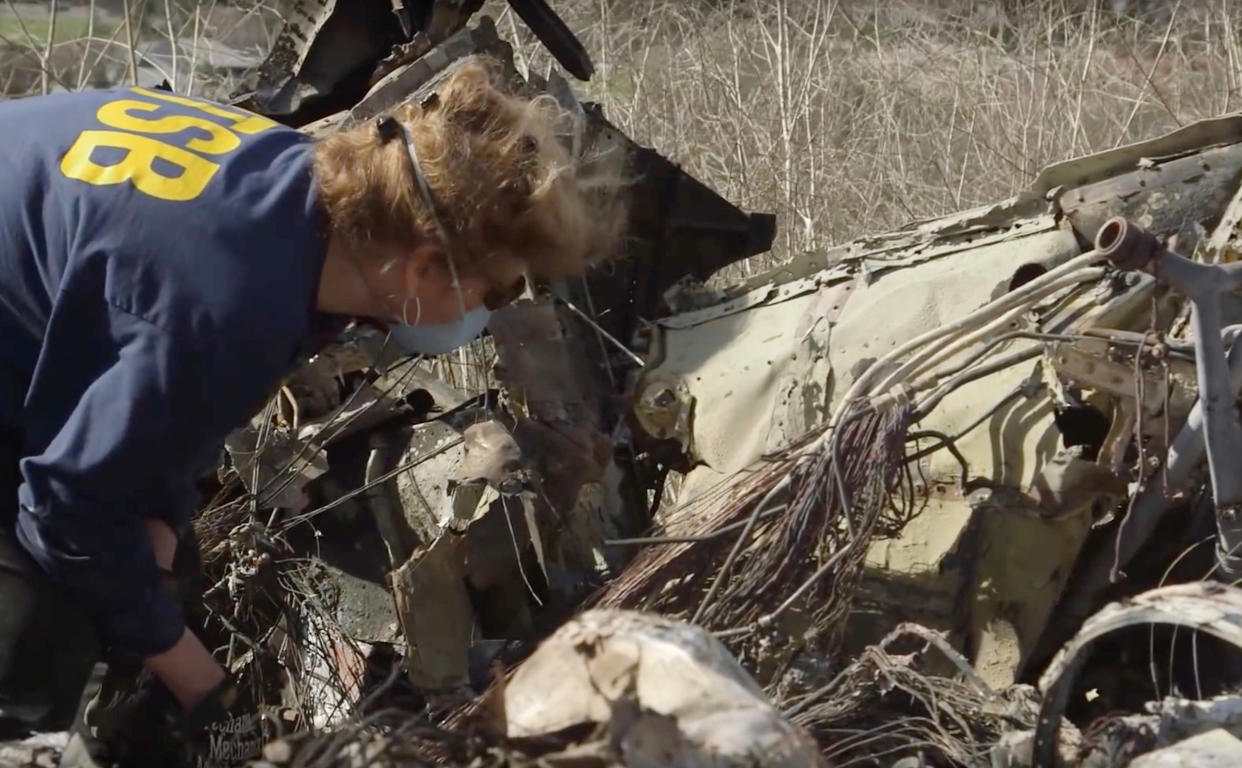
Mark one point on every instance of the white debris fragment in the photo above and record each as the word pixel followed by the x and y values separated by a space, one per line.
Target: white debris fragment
pixel 41 750
pixel 1214 749
pixel 668 692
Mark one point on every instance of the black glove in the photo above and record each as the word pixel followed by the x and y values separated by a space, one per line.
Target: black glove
pixel 130 705
pixel 132 722
pixel 145 727
pixel 225 730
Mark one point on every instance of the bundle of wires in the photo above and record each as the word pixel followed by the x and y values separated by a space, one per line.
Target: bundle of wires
pixel 805 518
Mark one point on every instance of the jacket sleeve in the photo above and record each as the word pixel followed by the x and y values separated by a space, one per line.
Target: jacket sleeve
pixel 125 452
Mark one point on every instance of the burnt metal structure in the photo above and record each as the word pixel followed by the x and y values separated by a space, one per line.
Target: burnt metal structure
pixel 333 57
pixel 1007 546
pixel 1130 247
pixel 330 52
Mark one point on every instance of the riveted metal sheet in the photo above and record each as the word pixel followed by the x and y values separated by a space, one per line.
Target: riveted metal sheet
pixel 767 366
pixel 733 368
pixel 1084 170
pixel 768 294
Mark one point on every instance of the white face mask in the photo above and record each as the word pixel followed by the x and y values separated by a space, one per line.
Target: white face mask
pixel 442 337
pixel 431 339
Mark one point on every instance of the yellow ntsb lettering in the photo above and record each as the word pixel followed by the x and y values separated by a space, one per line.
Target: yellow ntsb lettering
pixel 245 123
pixel 138 165
pixel 118 114
pixel 135 121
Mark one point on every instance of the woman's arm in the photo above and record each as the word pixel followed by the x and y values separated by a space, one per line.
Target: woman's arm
pixel 187 669
pixel 114 452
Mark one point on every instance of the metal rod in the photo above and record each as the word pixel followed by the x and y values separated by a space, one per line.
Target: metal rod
pixel 1223 437
pixel 587 319
pixel 366 486
pixel 1130 247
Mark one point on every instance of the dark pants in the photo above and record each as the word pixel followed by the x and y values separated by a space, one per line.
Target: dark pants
pixel 48 646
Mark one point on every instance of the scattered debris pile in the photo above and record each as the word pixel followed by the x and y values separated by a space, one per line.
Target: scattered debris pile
pixel 885 701
pixel 608 688
pixel 916 500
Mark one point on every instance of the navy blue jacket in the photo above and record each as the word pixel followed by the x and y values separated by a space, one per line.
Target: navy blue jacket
pixel 159 263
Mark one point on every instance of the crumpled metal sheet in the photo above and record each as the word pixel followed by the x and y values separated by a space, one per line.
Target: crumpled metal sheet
pixel 491 549
pixel 731 379
pixel 316 59
pixel 472 564
pixel 424 490
pixel 869 256
pixel 669 694
pixel 436 615
pixel 1188 139
pixel 1209 607
pixel 492 456
pixel 419 77
pixel 285 465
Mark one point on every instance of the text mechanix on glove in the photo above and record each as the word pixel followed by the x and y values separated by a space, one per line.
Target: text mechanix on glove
pixel 231 742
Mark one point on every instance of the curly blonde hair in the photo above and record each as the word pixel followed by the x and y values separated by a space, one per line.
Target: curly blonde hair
pixel 509 176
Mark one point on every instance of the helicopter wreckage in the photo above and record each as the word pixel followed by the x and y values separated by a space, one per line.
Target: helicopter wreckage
pixel 952 495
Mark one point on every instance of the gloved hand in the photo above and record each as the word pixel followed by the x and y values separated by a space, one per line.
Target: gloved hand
pixel 225 729
pixel 132 711
pixel 146 727
pixel 130 722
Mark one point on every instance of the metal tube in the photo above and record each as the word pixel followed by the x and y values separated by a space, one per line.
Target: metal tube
pixel 1187 450
pixel 1196 281
pixel 1184 456
pixel 1204 285
pixel 1223 436
pixel 1130 247
pixel 1232 271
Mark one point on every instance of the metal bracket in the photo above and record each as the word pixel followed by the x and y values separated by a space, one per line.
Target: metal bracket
pixel 1130 247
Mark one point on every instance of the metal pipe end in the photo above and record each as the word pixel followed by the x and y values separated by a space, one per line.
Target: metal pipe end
pixel 1228 565
pixel 1125 244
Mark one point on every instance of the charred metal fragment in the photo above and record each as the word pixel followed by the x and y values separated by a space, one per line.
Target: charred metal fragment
pixel 1213 609
pixel 323 59
pixel 329 52
pixel 680 228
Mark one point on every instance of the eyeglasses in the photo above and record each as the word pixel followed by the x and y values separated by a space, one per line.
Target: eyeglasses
pixel 390 128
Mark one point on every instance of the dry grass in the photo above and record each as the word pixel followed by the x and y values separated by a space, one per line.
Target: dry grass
pixel 855 117
pixel 845 117
pixel 193 44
